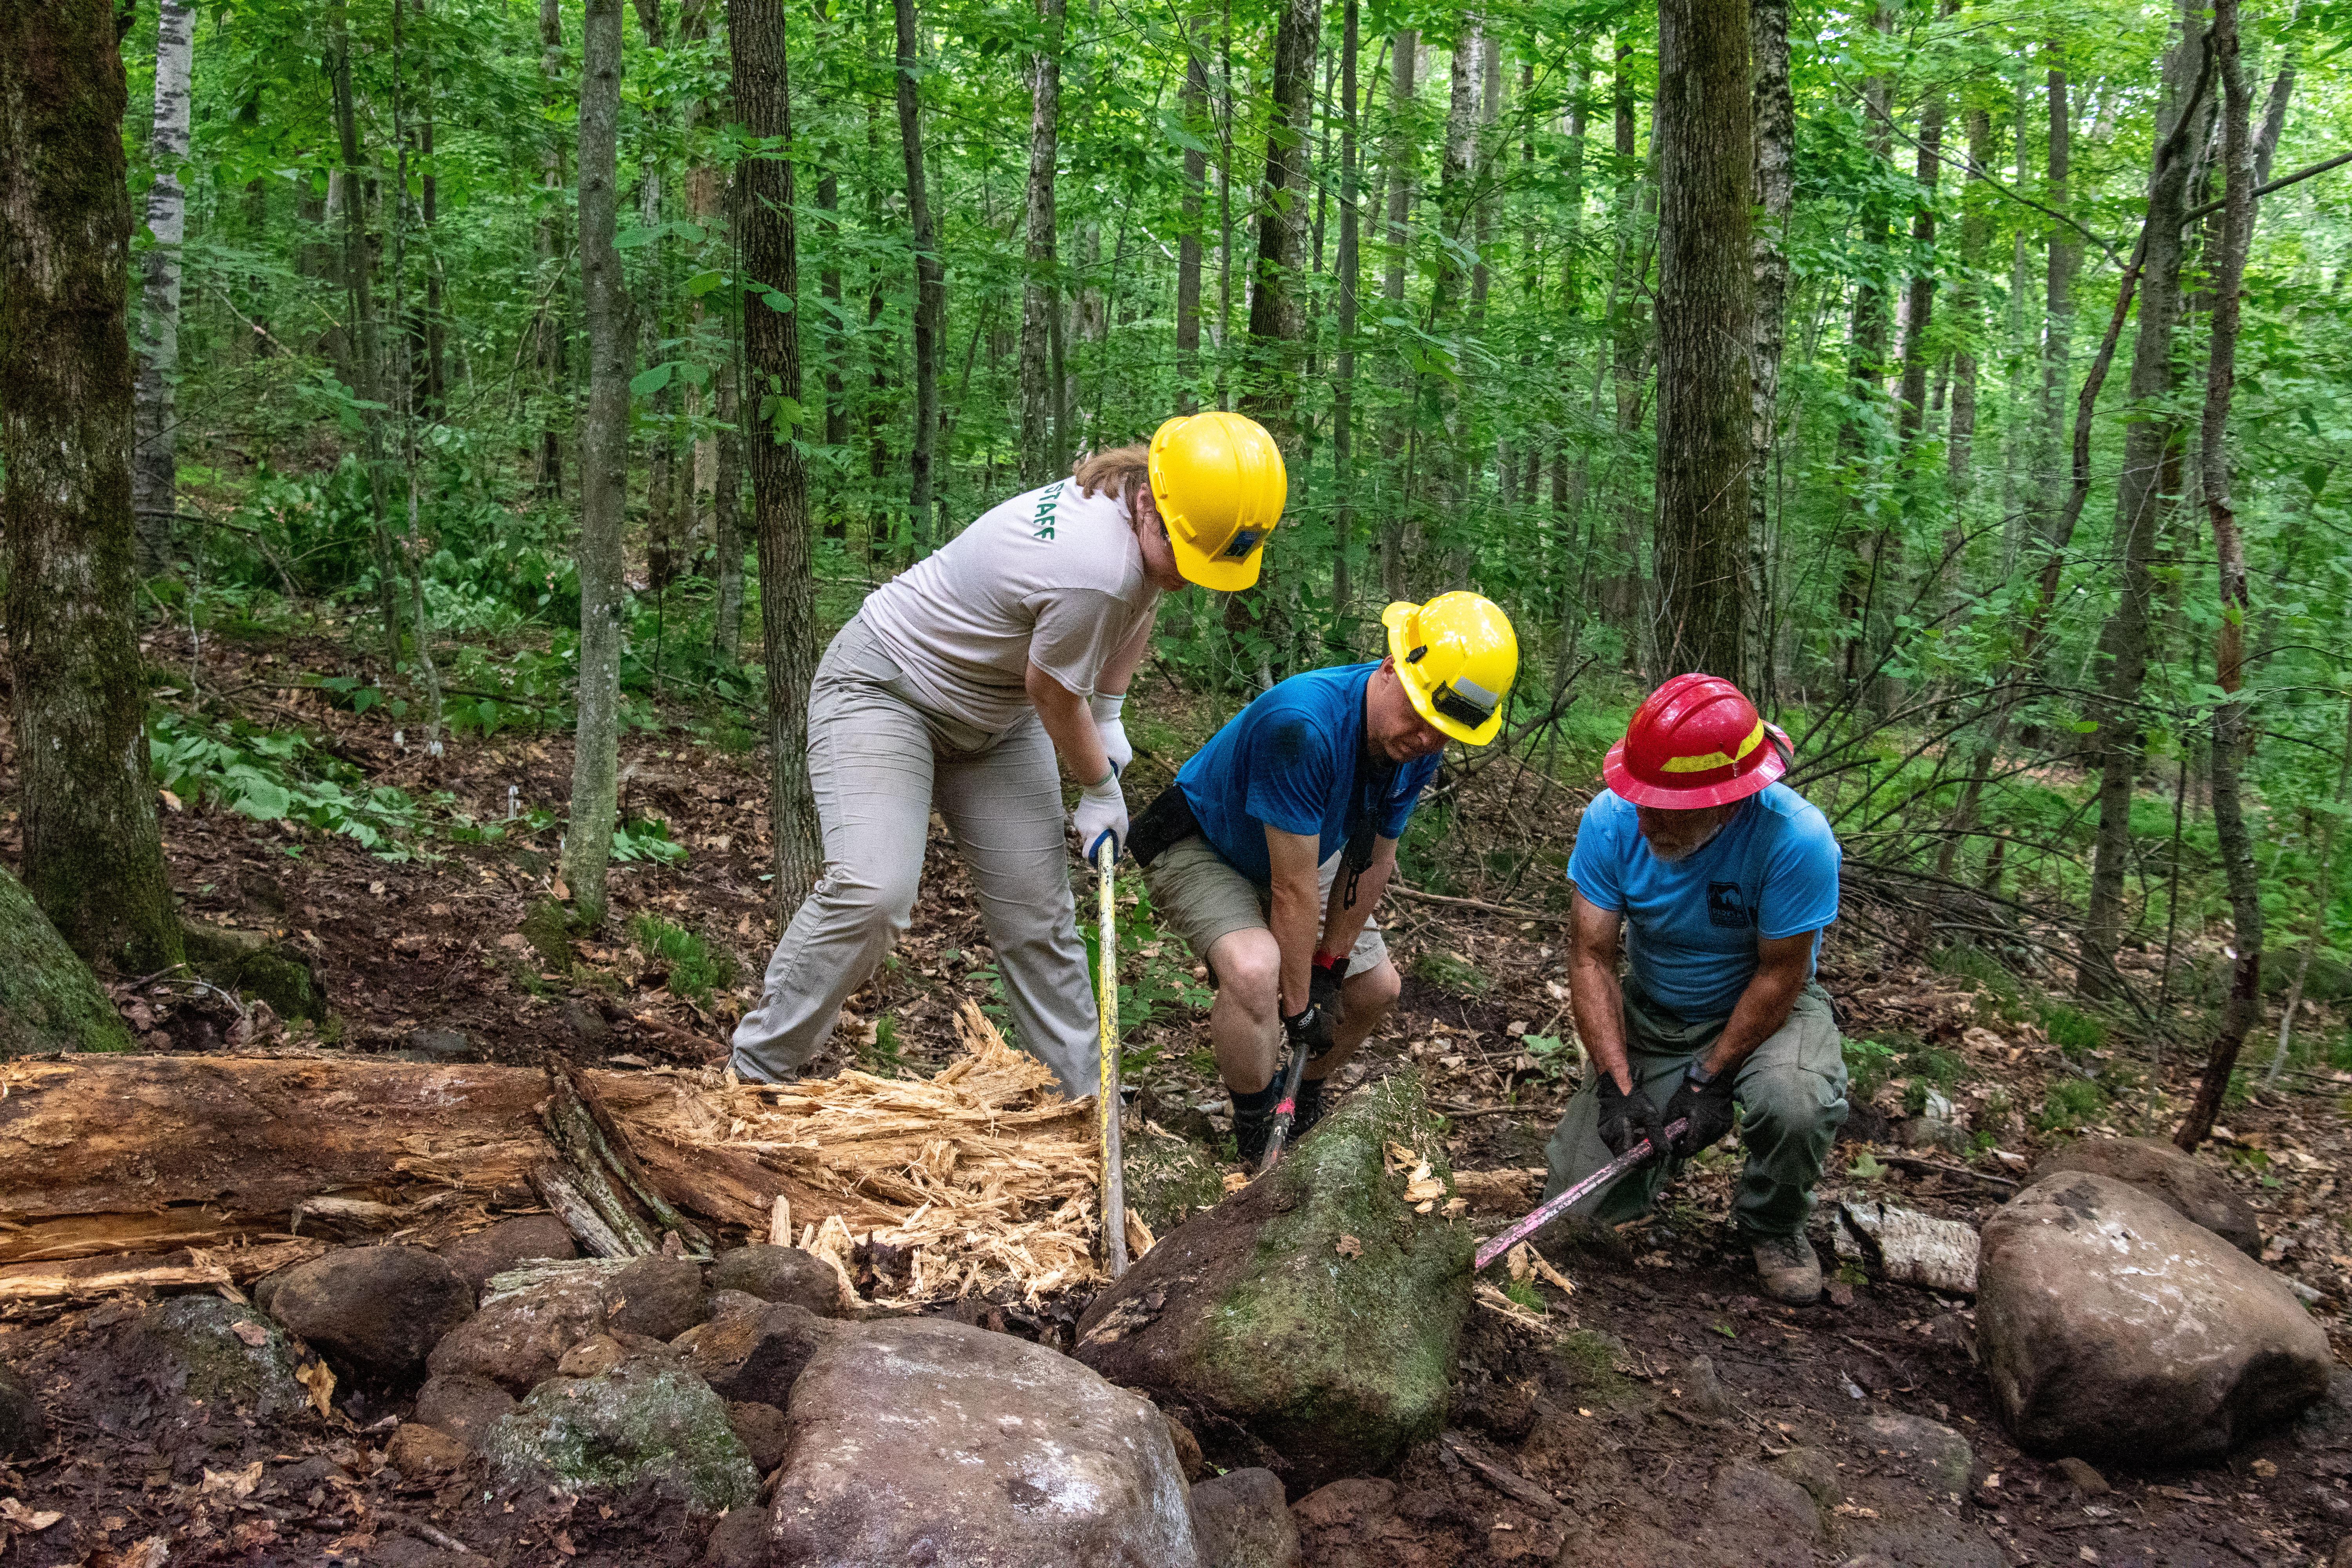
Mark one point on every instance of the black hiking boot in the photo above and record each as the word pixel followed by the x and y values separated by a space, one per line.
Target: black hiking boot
pixel 1254 1121
pixel 1309 1109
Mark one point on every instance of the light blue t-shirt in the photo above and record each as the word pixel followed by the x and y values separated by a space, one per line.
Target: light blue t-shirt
pixel 1692 927
pixel 1289 761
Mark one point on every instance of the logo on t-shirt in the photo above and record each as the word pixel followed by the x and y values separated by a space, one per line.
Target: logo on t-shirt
pixel 1727 905
pixel 1045 518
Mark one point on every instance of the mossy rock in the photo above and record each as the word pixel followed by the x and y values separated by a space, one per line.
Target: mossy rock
pixel 1311 1322
pixel 253 964
pixel 640 1421
pixel 1170 1180
pixel 548 931
pixel 1452 973
pixel 217 1352
pixel 49 1000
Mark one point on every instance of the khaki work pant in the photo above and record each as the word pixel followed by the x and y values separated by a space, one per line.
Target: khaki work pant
pixel 879 763
pixel 1791 1095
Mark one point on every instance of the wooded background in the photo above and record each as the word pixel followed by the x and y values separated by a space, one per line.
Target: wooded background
pixel 1967 380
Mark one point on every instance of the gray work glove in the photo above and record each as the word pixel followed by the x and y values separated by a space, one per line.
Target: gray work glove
pixel 1101 819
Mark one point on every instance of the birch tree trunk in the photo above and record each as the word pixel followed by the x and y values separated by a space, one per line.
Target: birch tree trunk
pixel 154 468
pixel 603 466
pixel 1275 321
pixel 2244 1008
pixel 772 356
pixel 1775 112
pixel 1343 372
pixel 93 857
pixel 2064 253
pixel 1398 157
pixel 930 282
pixel 1706 171
pixel 1193 111
pixel 1042 440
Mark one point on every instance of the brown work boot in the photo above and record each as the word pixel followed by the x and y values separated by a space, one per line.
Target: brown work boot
pixel 1789 1271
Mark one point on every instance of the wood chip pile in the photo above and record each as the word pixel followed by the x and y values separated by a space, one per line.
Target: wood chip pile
pixel 985 1170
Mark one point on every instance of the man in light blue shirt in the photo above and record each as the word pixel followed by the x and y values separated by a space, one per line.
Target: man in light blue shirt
pixel 1722 879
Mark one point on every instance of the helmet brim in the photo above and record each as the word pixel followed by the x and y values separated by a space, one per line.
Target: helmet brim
pixel 1214 572
pixel 1698 797
pixel 1395 618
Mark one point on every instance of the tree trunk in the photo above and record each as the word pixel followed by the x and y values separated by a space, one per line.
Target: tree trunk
pixel 1438 409
pixel 1919 346
pixel 653 328
pixel 1275 322
pixel 771 354
pixel 1706 171
pixel 1628 350
pixel 2243 1007
pixel 1775 112
pixel 1857 443
pixel 1043 441
pixel 727 497
pixel 2322 884
pixel 49 1000
pixel 2139 504
pixel 2064 255
pixel 603 466
pixel 1967 307
pixel 930 283
pixel 366 364
pixel 93 859
pixel 1398 157
pixel 550 330
pixel 1193 111
pixel 1343 372
pixel 154 468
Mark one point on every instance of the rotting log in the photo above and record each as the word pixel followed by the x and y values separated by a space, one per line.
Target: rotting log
pixel 106 1154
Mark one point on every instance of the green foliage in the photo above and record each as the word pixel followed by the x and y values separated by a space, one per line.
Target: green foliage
pixel 2074 1032
pixel 1155 978
pixel 1524 1292
pixel 696 969
pixel 1868 1065
pixel 1555 1055
pixel 646 838
pixel 274 775
pixel 880 1056
pixel 2070 1102
pixel 1451 972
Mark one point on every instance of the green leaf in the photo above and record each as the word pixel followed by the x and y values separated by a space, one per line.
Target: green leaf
pixel 781 304
pixel 651 381
pixel 2314 477
pixel 702 283
pixel 634 238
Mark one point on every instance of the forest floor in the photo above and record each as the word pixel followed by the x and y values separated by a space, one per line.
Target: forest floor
pixel 434 942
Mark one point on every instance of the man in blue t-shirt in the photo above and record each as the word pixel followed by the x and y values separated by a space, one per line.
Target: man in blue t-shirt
pixel 1723 879
pixel 1269 851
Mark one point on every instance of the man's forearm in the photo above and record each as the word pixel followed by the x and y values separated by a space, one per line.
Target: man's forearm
pixel 1597 1001
pixel 1343 925
pixel 1296 919
pixel 1762 1008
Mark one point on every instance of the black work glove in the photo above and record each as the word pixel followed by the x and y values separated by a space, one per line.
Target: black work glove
pixel 1708 1107
pixel 1628 1118
pixel 1323 978
pixel 1308 1029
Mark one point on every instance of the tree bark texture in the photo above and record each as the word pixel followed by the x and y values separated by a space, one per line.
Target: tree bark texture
pixel 93 855
pixel 1398 161
pixel 930 282
pixel 1967 309
pixel 1706 171
pixel 1043 442
pixel 1919 344
pixel 2148 441
pixel 1775 112
pixel 772 357
pixel 1343 377
pixel 1194 109
pixel 2243 1009
pixel 154 463
pixel 603 466
pixel 49 1000
pixel 1276 323
pixel 2064 254
pixel 550 331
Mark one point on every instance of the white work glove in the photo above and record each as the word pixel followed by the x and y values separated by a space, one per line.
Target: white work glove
pixel 1111 731
pixel 1101 814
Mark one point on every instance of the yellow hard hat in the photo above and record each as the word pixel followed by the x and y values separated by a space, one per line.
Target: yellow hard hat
pixel 1457 657
pixel 1220 483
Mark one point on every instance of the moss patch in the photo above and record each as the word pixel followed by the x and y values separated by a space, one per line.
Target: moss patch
pixel 1168 1179
pixel 637 1422
pixel 208 1349
pixel 252 963
pixel 49 1000
pixel 1452 973
pixel 548 931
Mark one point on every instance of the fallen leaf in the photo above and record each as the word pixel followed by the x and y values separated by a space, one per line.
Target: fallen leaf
pixel 238 1484
pixel 252 1535
pixel 1348 1247
pixel 170 800
pixel 23 1518
pixel 152 1553
pixel 2264 1469
pixel 251 1333
pixel 319 1379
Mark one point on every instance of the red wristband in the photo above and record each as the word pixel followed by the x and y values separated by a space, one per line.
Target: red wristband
pixel 1330 960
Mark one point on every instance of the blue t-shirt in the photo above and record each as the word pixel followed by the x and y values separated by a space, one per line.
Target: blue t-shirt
pixel 1692 927
pixel 1289 761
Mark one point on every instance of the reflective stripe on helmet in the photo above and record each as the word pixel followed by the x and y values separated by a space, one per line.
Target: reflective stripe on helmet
pixel 1714 759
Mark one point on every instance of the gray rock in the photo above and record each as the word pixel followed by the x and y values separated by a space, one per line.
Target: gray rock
pixel 587 1025
pixel 24 1425
pixel 780 1274
pixel 637 1423
pixel 742 1540
pixel 1245 1522
pixel 204 1348
pixel 1313 1318
pixel 1917 1538
pixel 2193 1190
pixel 2113 1327
pixel 754 1349
pixel 1750 1516
pixel 994 1450
pixel 1703 1390
pixel 1816 1471
pixel 1938 1456
pixel 657 1296
pixel 510 1242
pixel 419 1451
pixel 441 1046
pixel 2083 1477
pixel 517 1340
pixel 463 1405
pixel 373 1312
pixel 763 1430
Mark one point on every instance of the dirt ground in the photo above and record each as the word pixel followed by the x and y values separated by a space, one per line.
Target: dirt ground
pixel 1601 1426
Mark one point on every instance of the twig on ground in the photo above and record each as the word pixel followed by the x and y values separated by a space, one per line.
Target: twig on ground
pixel 1417 896
pixel 1913 1161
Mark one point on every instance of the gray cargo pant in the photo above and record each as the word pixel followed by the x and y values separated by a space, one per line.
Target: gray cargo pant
pixel 879 763
pixel 1791 1094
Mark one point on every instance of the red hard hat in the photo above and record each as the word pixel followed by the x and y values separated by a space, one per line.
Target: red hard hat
pixel 1695 742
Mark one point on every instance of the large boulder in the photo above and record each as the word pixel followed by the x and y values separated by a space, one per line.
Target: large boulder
pixel 2194 1191
pixel 1245 1522
pixel 657 1296
pixel 517 1340
pixel 373 1312
pixel 204 1348
pixel 1311 1322
pixel 780 1274
pixel 755 1351
pixel 640 1422
pixel 2113 1327
pixel 504 1245
pixel 929 1441
pixel 463 1405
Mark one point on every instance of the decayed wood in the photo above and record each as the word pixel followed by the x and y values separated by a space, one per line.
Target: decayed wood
pixel 187 1268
